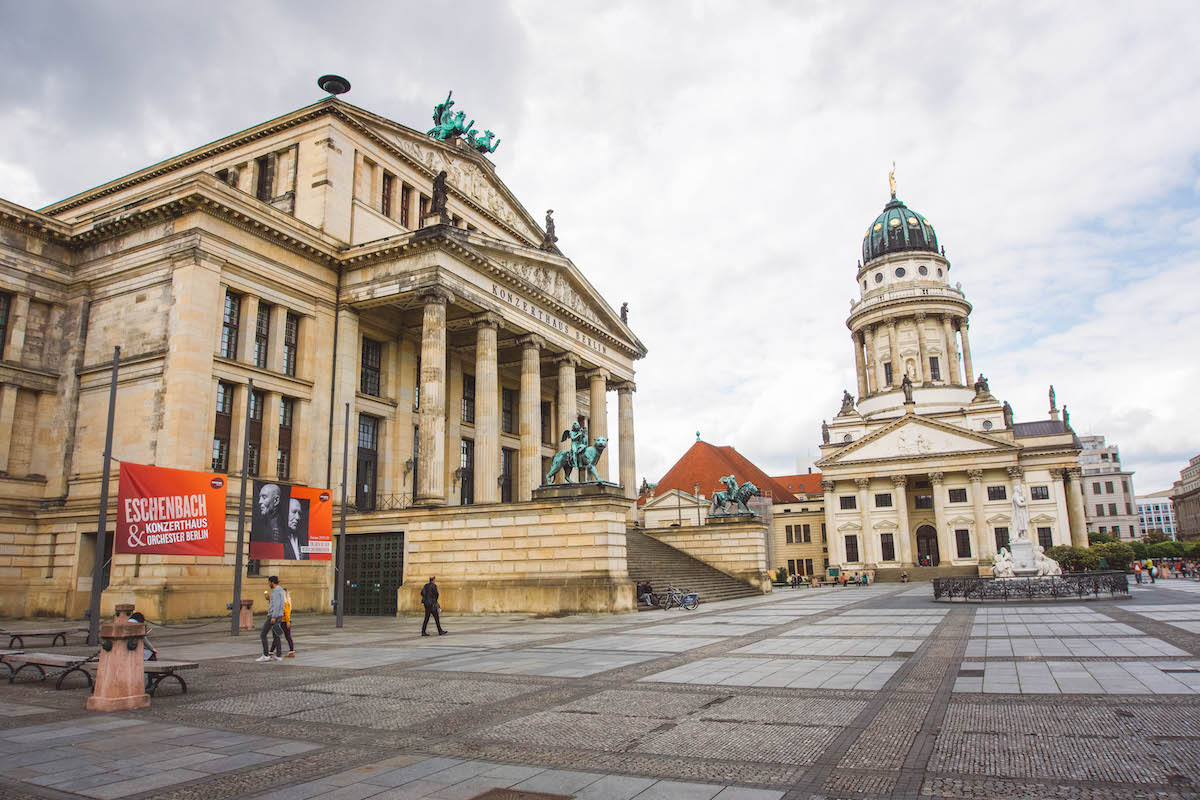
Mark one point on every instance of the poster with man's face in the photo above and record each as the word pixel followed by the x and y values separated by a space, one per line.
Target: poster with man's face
pixel 291 522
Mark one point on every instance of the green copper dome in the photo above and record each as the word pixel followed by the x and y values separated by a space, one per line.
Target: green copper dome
pixel 897 229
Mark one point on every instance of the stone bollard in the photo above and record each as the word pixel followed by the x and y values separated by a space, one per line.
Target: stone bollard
pixel 120 682
pixel 246 620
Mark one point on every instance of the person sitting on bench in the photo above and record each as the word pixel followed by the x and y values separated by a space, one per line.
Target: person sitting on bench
pixel 148 651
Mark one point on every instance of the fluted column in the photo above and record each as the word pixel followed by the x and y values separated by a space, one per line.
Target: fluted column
pixel 1062 515
pixel 246 328
pixel 268 455
pixel 598 395
pixel 947 546
pixel 968 371
pixel 860 365
pixel 567 407
pixel 951 351
pixel 531 415
pixel 874 553
pixel 1078 518
pixel 985 542
pixel 906 548
pixel 894 347
pixel 431 473
pixel 837 545
pixel 874 377
pixel 922 352
pixel 625 435
pixel 487 409
pixel 8 408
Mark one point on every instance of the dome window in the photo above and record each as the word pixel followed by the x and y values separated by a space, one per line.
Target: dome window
pixel 924 270
pixel 864 284
pixel 879 277
pixel 895 223
pixel 900 272
pixel 939 272
pixel 912 221
pixel 878 226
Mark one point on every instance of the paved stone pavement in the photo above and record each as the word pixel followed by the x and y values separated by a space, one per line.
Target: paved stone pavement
pixel 873 692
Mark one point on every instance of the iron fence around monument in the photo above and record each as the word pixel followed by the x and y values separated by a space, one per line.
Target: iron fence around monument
pixel 1070 585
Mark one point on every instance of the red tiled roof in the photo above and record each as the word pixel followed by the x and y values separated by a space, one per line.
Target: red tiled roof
pixel 804 483
pixel 706 463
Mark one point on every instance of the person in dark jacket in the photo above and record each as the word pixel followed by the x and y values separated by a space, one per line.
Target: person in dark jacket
pixel 429 599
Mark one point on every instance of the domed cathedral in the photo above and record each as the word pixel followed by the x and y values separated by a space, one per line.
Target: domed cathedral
pixel 921 470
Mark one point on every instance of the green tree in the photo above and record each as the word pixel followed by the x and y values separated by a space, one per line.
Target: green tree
pixel 1155 536
pixel 1074 559
pixel 1140 550
pixel 1100 538
pixel 1167 549
pixel 1117 555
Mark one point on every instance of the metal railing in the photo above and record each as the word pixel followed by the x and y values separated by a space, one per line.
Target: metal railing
pixel 1068 585
pixel 900 294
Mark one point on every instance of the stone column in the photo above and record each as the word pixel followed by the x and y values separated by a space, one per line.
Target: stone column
pixel 922 351
pixel 18 319
pixel 246 328
pixel 860 366
pixel 966 349
pixel 874 552
pixel 985 542
pixel 625 434
pixel 905 543
pixel 1076 513
pixel 894 347
pixel 951 351
pixel 531 415
pixel 275 342
pixel 268 457
pixel 837 549
pixel 1062 515
pixel 8 408
pixel 431 472
pixel 873 368
pixel 567 411
pixel 947 545
pixel 487 409
pixel 598 385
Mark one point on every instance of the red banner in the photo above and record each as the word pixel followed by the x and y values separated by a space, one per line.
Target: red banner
pixel 291 522
pixel 170 512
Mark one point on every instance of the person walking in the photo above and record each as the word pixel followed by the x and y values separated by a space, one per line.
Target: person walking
pixel 274 622
pixel 429 599
pixel 1150 568
pixel 1137 571
pixel 287 623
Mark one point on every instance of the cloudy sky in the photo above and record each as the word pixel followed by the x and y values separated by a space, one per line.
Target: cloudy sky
pixel 716 165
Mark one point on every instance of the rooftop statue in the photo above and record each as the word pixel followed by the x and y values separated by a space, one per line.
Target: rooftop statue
pixel 735 495
pixel 892 180
pixel 625 313
pixel 847 403
pixel 981 385
pixel 824 432
pixel 550 239
pixel 1066 418
pixel 1053 406
pixel 1008 415
pixel 448 125
pixel 482 143
pixel 440 193
pixel 906 387
pixel 578 456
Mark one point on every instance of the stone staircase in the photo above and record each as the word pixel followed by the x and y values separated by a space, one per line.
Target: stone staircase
pixel 663 565
pixel 925 573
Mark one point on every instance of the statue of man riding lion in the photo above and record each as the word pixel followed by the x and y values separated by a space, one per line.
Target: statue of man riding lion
pixel 579 456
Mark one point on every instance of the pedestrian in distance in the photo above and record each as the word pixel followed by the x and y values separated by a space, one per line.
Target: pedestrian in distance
pixel 274 623
pixel 429 599
pixel 1137 571
pixel 286 622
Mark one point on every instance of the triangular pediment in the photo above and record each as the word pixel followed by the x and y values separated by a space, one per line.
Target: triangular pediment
pixel 912 436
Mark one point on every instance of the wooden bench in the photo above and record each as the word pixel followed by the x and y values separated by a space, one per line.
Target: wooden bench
pixel 17 638
pixel 159 671
pixel 84 665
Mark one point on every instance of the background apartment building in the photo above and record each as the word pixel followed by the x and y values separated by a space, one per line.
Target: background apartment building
pixel 1108 496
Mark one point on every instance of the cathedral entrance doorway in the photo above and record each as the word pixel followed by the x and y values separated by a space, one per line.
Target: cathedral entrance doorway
pixel 927 547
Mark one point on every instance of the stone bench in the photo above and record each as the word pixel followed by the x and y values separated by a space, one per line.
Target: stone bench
pixel 85 665
pixel 17 638
pixel 159 671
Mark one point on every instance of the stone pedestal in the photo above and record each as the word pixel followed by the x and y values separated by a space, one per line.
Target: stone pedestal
pixel 246 617
pixel 567 491
pixel 1024 559
pixel 120 684
pixel 735 544
pixel 436 218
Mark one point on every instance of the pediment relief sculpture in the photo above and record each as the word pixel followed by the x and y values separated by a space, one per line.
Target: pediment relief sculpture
pixel 554 283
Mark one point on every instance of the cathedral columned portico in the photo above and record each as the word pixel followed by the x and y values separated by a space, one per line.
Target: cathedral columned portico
pixel 921 468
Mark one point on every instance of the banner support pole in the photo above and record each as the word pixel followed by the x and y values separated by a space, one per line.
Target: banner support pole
pixel 236 609
pixel 93 637
pixel 340 571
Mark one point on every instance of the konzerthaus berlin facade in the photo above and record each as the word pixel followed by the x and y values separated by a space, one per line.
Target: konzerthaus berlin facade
pixel 302 254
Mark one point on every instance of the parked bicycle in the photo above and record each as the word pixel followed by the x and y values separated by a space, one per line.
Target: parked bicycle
pixel 674 596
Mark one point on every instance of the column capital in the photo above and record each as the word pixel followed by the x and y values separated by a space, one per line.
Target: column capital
pixel 920 316
pixel 532 340
pixel 891 322
pixel 1074 473
pixel 862 483
pixel 567 358
pixel 937 478
pixel 1015 473
pixel 597 374
pixel 976 475
pixel 901 481
pixel 828 486
pixel 435 295
pixel 963 324
pixel 625 387
pixel 1058 473
pixel 947 318
pixel 488 319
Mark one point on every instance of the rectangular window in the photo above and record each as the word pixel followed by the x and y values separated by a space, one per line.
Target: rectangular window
pixel 1103 529
pixel 258 402
pixel 962 538
pixel 5 305
pixel 508 402
pixel 508 457
pixel 252 459
pixel 224 398
pixel 1096 488
pixel 883 500
pixel 887 372
pixel 405 202
pixel 852 548
pixel 229 325
pixel 958 495
pixel 468 399
pixel 787 534
pixel 366 475
pixel 1039 492
pixel 1131 531
pixel 253 568
pixel 1108 487
pixel 417 386
pixel 547 425
pixel 283 463
pixel 922 501
pixel 1001 538
pixel 1112 509
pixel 935 370
pixel 222 427
pixel 792 566
pixel 848 502
pixel 1128 508
pixel 887 547
pixel 807 534
pixel 220 455
pixel 262 335
pixel 416 458
pixel 385 202
pixel 808 566
pixel 822 533
pixel 423 205
pixel 265 189
pixel 1125 486
pixel 372 367
pixel 1044 537
pixel 466 482
pixel 291 343
pixel 997 493
pixel 1099 509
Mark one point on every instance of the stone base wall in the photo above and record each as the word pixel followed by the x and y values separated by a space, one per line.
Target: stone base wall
pixel 562 551
pixel 737 547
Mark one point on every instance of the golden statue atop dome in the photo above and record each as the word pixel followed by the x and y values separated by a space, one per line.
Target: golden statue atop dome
pixel 892 180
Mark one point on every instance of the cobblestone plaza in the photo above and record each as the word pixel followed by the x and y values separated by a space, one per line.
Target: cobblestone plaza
pixel 835 693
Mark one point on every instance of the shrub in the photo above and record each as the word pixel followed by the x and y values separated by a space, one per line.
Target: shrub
pixel 1117 555
pixel 1166 549
pixel 1100 538
pixel 1140 550
pixel 1074 559
pixel 781 575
